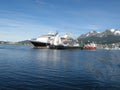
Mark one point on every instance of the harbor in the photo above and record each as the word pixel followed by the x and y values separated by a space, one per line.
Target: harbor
pixel 56 41
pixel 59 44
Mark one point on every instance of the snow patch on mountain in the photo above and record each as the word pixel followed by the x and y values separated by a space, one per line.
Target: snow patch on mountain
pixel 117 32
pixel 105 33
pixel 112 30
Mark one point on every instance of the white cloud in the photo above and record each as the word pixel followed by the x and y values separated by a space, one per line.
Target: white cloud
pixel 93 27
pixel 9 23
pixel 14 30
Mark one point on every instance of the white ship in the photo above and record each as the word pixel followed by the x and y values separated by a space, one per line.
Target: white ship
pixel 56 41
pixel 65 42
pixel 42 41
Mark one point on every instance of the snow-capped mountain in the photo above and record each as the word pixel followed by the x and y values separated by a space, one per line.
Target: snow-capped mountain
pixel 115 32
pixel 107 32
pixel 107 36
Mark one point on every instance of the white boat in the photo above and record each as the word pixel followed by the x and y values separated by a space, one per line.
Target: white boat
pixel 42 41
pixel 64 42
pixel 55 41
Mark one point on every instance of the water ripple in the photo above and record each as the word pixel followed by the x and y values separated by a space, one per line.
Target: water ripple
pixel 22 68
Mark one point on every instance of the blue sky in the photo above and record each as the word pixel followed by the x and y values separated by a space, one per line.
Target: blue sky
pixel 26 19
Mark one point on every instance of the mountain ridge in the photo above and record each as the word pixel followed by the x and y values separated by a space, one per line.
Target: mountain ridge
pixel 107 36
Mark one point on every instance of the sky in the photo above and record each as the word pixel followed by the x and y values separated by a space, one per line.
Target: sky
pixel 27 19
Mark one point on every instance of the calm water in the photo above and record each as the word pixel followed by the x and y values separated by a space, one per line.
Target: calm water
pixel 24 68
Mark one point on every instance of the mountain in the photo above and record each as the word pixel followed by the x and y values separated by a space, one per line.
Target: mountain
pixel 25 42
pixel 107 36
pixel 4 42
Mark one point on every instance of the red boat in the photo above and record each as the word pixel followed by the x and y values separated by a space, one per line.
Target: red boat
pixel 90 46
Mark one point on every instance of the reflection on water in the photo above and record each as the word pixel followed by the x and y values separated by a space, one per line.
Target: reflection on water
pixel 46 54
pixel 23 68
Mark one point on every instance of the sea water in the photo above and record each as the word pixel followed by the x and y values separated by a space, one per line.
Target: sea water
pixel 25 68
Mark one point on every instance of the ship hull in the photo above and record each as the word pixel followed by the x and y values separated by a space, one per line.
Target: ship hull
pixel 38 44
pixel 61 47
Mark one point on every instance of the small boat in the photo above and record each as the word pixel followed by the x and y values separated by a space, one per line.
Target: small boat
pixel 90 46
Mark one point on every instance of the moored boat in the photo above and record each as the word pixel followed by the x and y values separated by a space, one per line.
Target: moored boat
pixel 90 46
pixel 38 44
pixel 65 47
pixel 65 42
pixel 42 41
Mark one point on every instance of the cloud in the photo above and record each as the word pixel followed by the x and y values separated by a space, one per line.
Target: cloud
pixel 9 23
pixel 17 30
pixel 93 27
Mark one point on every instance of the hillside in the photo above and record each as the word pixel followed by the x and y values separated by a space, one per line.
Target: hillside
pixel 108 36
